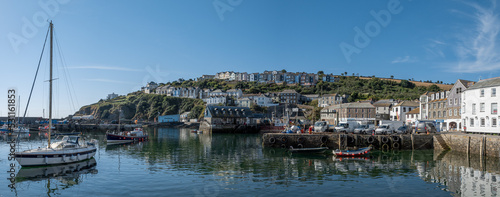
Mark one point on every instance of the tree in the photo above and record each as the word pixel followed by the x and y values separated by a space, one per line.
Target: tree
pixel 407 84
pixel 392 76
pixel 433 88
pixel 283 71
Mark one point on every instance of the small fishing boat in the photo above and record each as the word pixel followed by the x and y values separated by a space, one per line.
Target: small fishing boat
pixel 127 136
pixel 308 150
pixel 352 153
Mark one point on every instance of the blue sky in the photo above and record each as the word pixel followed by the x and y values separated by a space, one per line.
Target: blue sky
pixel 117 46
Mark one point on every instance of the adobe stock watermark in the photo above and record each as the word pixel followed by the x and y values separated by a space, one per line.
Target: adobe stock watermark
pixel 222 6
pixel 50 8
pixel 11 107
pixel 372 29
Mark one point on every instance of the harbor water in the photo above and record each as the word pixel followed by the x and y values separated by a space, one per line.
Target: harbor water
pixel 177 162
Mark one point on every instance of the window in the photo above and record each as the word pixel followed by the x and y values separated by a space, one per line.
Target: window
pixel 439 114
pixel 481 93
pixel 404 109
pixel 433 114
pixel 481 107
pixel 493 92
pixel 493 122
pixel 450 102
pixel 444 114
pixel 482 122
pixel 455 112
pixel 494 108
pixel 456 101
pixel 473 108
pixel 472 122
pixel 450 112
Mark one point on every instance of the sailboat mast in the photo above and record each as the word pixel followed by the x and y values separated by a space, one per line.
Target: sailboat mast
pixel 51 26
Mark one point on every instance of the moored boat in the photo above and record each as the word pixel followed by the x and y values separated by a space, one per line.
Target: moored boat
pixel 352 153
pixel 308 150
pixel 69 150
pixel 127 136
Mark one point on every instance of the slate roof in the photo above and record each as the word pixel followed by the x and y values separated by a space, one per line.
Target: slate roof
pixel 466 83
pixel 229 112
pixel 486 83
pixel 408 103
pixel 414 111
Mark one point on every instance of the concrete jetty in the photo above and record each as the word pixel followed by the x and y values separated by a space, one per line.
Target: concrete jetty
pixel 345 141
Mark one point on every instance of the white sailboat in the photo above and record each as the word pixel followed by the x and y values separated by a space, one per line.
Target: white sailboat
pixel 69 150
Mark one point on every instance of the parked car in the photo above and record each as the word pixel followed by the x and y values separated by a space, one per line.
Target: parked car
pixel 424 127
pixel 364 129
pixel 384 129
pixel 403 130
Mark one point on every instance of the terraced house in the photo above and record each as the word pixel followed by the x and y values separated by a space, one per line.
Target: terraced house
pixel 437 109
pixel 480 107
pixel 454 120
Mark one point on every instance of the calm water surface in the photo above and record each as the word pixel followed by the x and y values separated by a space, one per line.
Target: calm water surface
pixel 176 162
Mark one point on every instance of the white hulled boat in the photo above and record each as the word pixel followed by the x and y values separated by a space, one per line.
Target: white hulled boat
pixel 69 150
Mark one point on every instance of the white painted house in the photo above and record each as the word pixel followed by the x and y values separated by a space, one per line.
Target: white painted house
pixel 398 111
pixel 480 106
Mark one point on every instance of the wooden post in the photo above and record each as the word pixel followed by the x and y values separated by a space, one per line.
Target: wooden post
pixel 412 142
pixel 340 147
pixel 468 146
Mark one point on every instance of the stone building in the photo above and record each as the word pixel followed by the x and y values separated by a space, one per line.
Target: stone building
pixel 363 112
pixel 453 106
pixel 331 99
pixel 289 96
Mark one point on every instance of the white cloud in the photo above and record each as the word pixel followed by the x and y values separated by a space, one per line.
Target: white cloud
pixel 435 48
pixel 405 59
pixel 478 51
pixel 108 81
pixel 105 68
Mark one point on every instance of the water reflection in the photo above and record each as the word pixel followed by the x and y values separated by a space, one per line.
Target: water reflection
pixel 227 164
pixel 58 177
pixel 466 175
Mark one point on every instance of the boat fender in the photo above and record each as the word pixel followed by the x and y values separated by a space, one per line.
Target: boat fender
pixel 370 140
pixel 284 140
pixel 300 146
pixel 300 140
pixel 395 145
pixel 395 138
pixel 386 147
pixel 272 140
pixel 283 146
pixel 385 140
pixel 324 139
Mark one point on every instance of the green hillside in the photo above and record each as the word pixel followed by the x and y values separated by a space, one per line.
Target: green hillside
pixel 140 106
pixel 358 88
